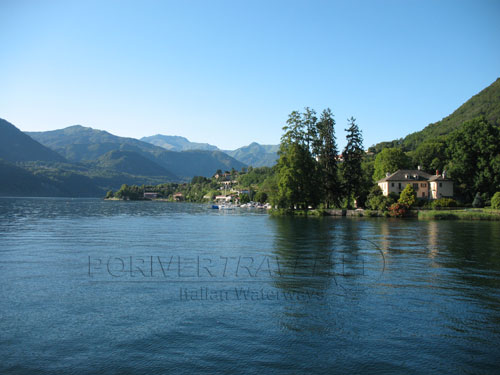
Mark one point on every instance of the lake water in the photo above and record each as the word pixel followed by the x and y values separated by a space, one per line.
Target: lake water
pixel 89 286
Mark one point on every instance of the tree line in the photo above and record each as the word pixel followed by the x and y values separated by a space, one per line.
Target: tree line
pixel 309 172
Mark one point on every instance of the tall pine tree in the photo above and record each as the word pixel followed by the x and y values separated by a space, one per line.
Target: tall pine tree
pixel 296 165
pixel 353 156
pixel 325 150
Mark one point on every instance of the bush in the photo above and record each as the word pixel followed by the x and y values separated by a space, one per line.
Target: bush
pixel 377 201
pixel 495 201
pixel 444 202
pixel 398 210
pixel 408 196
pixel 478 201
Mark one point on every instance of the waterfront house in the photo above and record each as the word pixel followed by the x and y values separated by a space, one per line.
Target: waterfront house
pixel 178 197
pixel 223 198
pixel 427 186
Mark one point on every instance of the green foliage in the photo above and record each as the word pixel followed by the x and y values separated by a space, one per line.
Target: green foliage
pixel 444 202
pixel 296 184
pixel 377 201
pixel 478 201
pixel 244 198
pixel 261 197
pixel 474 157
pixel 488 215
pixel 389 161
pixel 324 148
pixel 486 104
pixel 109 194
pixel 255 177
pixel 130 192
pixel 430 155
pixel 495 201
pixel 408 196
pixel 297 168
pixel 353 155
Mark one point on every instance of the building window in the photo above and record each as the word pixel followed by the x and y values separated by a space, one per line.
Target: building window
pixel 400 186
pixel 423 194
pixel 392 184
pixel 415 186
pixel 423 184
pixel 440 184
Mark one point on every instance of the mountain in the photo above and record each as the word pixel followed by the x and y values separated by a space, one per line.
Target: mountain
pixel 16 146
pixel 78 143
pixel 132 163
pixel 18 182
pixel 177 143
pixel 256 155
pixel 486 103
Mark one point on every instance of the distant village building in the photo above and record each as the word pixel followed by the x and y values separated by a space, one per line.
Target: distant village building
pixel 427 186
pixel 148 195
pixel 178 197
pixel 223 198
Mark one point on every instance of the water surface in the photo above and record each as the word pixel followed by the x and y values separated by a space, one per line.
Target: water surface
pixel 90 286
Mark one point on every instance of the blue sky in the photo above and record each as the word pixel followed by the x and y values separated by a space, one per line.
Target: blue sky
pixel 230 72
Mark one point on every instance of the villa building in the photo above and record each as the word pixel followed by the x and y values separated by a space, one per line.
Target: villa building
pixel 427 186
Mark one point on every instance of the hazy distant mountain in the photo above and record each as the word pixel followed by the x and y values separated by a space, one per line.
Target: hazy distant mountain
pixel 78 143
pixel 17 146
pixel 177 143
pixel 256 155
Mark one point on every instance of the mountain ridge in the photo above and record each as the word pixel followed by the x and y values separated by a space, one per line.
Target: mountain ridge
pixel 78 143
pixel 484 103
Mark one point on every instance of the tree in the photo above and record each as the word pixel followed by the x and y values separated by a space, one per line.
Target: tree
pixel 408 196
pixel 296 171
pixel 353 155
pixel 309 121
pixel 296 166
pixel 389 160
pixel 474 158
pixel 324 149
pixel 244 198
pixel 109 194
pixel 261 197
pixel 478 201
pixel 430 155
pixel 495 201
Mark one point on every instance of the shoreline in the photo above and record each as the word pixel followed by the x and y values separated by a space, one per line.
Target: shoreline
pixel 469 214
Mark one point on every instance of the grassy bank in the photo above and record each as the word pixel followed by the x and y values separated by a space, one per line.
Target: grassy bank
pixel 468 214
pixel 456 214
